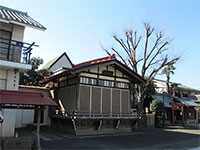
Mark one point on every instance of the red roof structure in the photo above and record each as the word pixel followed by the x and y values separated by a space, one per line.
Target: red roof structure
pixel 95 61
pixel 24 98
pixel 110 58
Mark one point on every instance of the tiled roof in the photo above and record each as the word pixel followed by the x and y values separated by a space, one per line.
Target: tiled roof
pixel 95 61
pixel 163 98
pixel 187 102
pixel 24 98
pixel 9 15
pixel 91 63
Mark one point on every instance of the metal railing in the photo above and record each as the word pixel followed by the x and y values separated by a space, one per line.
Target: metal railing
pixel 92 115
pixel 86 114
pixel 16 51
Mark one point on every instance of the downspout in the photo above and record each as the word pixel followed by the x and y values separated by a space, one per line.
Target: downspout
pixel 38 128
pixel 117 126
pixel 100 124
pixel 74 125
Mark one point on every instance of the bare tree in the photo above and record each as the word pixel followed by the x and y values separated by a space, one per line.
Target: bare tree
pixel 154 55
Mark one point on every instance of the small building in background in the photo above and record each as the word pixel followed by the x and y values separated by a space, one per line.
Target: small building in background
pixel 58 63
pixel 180 94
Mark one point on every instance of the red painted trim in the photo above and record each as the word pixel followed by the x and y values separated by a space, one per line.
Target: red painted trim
pixel 4 59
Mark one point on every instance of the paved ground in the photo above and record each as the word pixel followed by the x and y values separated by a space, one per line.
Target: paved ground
pixel 169 138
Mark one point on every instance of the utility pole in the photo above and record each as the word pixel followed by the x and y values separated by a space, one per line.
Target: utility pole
pixel 163 110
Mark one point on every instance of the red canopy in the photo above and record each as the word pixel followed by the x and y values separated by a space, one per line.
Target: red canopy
pixel 24 98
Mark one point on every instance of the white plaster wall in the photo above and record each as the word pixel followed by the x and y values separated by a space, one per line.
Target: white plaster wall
pixel 160 86
pixel 88 75
pixel 7 128
pixel 106 77
pixel 5 26
pixel 24 117
pixel 62 62
pixel 18 33
pixel 94 70
pixel 12 80
pixel 3 79
pixel 122 80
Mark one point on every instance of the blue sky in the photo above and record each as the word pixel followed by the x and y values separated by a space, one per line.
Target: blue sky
pixel 77 27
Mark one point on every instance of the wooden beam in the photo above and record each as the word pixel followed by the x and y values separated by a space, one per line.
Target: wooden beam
pixel 38 129
pixel 18 107
pixel 172 114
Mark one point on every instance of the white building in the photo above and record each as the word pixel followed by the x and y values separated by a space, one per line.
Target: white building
pixel 179 90
pixel 14 58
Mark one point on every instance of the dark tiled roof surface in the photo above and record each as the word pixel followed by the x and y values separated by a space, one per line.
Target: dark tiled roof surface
pixel 17 17
pixel 24 98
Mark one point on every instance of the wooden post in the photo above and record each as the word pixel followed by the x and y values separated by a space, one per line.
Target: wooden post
pixel 1 132
pixel 163 111
pixel 182 110
pixel 193 114
pixel 38 128
pixel 173 114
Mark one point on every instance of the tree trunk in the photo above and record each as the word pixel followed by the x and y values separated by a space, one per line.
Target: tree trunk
pixel 142 119
pixel 167 83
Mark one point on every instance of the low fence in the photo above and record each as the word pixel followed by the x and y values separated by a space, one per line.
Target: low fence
pixel 105 115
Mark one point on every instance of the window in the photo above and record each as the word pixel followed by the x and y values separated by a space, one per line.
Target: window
pixel 106 83
pixel 4 43
pixel 122 85
pixel 86 80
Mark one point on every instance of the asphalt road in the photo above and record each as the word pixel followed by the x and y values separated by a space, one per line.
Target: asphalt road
pixel 171 138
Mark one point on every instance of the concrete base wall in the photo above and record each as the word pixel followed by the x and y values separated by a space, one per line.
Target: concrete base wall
pixel 8 81
pixel 7 128
pixel 92 127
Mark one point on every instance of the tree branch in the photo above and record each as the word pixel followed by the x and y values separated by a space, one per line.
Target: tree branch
pixel 120 56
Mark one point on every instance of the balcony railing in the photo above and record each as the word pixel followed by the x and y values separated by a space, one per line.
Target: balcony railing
pixel 15 51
